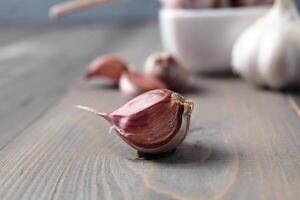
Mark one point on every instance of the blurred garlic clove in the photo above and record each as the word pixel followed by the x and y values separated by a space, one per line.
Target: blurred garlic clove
pixel 166 68
pixel 153 123
pixel 107 66
pixel 133 83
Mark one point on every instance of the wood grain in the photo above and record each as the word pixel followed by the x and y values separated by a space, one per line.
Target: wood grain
pixel 244 143
pixel 38 64
pixel 294 102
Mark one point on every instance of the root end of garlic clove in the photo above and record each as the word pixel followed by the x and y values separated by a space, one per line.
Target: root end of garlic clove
pixel 189 104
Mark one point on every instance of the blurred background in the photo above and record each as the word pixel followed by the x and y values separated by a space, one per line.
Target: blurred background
pixel 36 11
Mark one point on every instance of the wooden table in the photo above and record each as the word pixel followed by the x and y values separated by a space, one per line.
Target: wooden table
pixel 244 142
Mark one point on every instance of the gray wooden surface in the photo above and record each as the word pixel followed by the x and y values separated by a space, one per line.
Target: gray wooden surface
pixel 244 143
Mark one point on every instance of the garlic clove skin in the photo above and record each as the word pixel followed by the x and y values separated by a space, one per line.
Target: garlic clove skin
pixel 168 69
pixel 154 122
pixel 178 136
pixel 108 66
pixel 267 53
pixel 133 83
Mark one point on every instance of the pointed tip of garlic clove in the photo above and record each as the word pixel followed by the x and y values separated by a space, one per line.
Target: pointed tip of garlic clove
pixel 91 110
pixel 86 109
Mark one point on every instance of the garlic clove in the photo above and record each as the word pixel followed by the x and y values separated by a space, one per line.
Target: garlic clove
pixel 133 83
pixel 167 68
pixel 108 66
pixel 154 122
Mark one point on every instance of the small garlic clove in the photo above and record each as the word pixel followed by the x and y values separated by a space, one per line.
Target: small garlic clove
pixel 133 83
pixel 154 122
pixel 108 66
pixel 167 68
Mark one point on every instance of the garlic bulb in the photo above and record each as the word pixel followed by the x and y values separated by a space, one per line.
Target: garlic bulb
pixel 154 122
pixel 268 52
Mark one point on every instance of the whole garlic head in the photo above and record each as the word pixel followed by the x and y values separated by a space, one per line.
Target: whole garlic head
pixel 268 52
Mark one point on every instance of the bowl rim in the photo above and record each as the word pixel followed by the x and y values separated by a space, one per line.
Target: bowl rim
pixel 207 12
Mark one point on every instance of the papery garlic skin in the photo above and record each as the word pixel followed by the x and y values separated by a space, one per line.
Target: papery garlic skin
pixel 178 138
pixel 154 122
pixel 267 53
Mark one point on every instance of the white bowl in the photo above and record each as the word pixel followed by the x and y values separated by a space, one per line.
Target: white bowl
pixel 203 39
